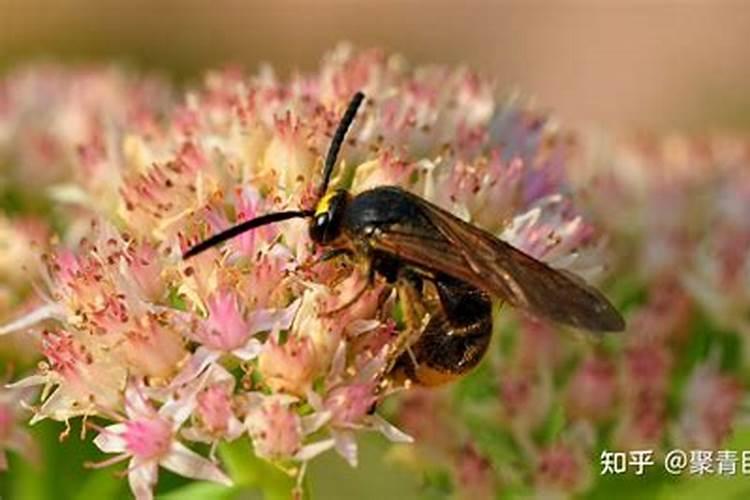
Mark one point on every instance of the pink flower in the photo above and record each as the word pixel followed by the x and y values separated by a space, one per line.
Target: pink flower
pixel 86 384
pixel 153 347
pixel 214 417
pixel 474 473
pixel 148 438
pixel 248 204
pixel 215 408
pixel 265 285
pixel 13 436
pixel 592 393
pixel 289 367
pixel 552 232
pixel 144 264
pixel 278 432
pixel 644 383
pixel 348 403
pixel 49 111
pixel 561 468
pixel 248 336
pixel 228 330
pixel 711 401
pixel 526 398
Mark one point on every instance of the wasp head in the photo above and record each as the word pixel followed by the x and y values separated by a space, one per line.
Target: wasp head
pixel 326 222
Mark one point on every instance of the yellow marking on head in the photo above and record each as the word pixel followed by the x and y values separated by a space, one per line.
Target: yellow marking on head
pixel 324 204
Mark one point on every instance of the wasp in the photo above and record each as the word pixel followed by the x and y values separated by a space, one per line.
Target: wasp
pixel 446 272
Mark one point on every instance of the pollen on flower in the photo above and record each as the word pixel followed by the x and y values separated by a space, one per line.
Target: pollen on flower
pixel 152 347
pixel 350 403
pixel 289 367
pixel 215 408
pixel 275 429
pixel 226 327
pixel 66 356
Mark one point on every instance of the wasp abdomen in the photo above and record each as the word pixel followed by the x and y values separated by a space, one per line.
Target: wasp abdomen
pixel 455 338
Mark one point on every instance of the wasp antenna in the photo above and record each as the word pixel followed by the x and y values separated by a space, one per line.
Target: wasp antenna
pixel 338 139
pixel 242 227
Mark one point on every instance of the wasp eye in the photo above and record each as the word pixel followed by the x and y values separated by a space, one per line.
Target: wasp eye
pixel 318 228
pixel 326 225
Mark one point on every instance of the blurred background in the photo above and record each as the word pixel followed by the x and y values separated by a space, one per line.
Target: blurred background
pixel 625 63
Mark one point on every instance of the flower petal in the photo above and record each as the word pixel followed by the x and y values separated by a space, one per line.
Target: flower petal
pixel 30 381
pixel 388 430
pixel 315 400
pixel 110 440
pixel 312 450
pixel 273 319
pixel 185 462
pixel 59 406
pixel 346 446
pixel 198 362
pixel 142 477
pixel 314 421
pixel 24 444
pixel 136 404
pixel 178 409
pixel 49 311
pixel 197 435
pixel 234 429
pixel 249 351
pixel 360 326
pixel 338 365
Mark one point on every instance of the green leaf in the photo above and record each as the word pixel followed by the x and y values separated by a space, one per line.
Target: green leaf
pixel 247 470
pixel 175 300
pixel 479 386
pixel 492 440
pixel 437 484
pixel 554 424
pixel 629 486
pixel 102 483
pixel 384 472
pixel 628 292
pixel 24 480
pixel 204 490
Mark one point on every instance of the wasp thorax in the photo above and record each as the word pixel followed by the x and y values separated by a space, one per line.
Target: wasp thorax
pixel 326 224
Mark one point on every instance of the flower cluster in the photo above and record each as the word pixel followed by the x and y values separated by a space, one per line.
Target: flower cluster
pixel 168 360
pixel 241 341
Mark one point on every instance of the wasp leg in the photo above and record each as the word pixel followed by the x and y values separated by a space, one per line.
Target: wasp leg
pixel 333 253
pixel 455 338
pixel 368 284
pixel 416 317
pixel 340 278
pixel 326 256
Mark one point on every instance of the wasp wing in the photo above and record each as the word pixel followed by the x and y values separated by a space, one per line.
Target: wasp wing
pixel 470 254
